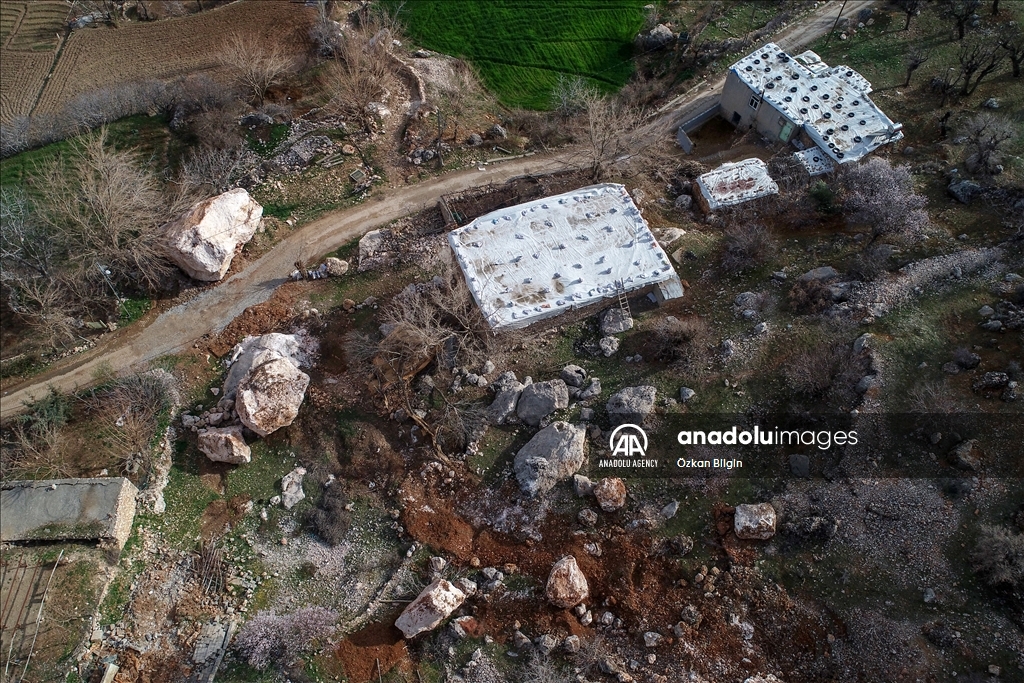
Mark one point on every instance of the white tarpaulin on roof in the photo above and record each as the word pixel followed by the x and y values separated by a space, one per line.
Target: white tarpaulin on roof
pixel 538 259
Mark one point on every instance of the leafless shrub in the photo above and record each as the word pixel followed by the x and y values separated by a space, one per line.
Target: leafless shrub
pixel 747 245
pixel 363 70
pixel 38 445
pixel 102 208
pixel 254 63
pixel 208 171
pixel 684 339
pixel 330 520
pixel 810 297
pixel 569 96
pixel 47 308
pixel 325 33
pixel 987 136
pixel 824 371
pixel 870 263
pixel 999 557
pixel 270 638
pixel 130 411
pixel 543 670
pixel 933 398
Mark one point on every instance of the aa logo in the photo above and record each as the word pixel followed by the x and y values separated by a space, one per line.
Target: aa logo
pixel 629 441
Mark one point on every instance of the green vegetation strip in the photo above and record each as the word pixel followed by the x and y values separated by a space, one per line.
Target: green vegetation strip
pixel 522 48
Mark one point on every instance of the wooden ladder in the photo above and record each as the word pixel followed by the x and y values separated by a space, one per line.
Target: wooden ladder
pixel 620 294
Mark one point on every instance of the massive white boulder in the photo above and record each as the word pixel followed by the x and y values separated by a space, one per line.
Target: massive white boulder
pixel 434 605
pixel 204 240
pixel 254 351
pixel 269 397
pixel 225 444
pixel 567 586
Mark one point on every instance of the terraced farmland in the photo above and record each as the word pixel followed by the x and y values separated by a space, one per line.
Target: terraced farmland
pixel 30 33
pixel 521 47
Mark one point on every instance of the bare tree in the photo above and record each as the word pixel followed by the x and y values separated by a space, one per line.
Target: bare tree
pixel 454 101
pixel 325 32
pixel 881 195
pixel 1011 39
pixel 914 59
pixel 977 58
pixel 46 306
pixel 987 138
pixel 25 248
pixel 38 446
pixel 363 71
pixel 961 13
pixel 208 171
pixel 130 410
pixel 102 208
pixel 910 8
pixel 569 96
pixel 946 84
pixel 254 64
pixel 609 136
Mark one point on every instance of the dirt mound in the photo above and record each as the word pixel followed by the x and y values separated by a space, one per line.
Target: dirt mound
pixel 430 520
pixel 361 651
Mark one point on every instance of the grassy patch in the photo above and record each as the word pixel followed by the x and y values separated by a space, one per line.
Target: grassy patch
pixel 521 48
pixel 133 309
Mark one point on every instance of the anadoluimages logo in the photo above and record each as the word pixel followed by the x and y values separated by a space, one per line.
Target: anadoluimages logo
pixel 629 441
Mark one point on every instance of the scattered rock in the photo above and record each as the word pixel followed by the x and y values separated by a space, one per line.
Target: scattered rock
pixel 608 345
pixel 435 604
pixel 963 190
pixel 991 103
pixel 593 389
pixel 986 311
pixel 610 493
pixel 631 405
pixel 587 517
pixel 754 521
pixel 269 397
pixel 571 644
pixel 370 245
pixel 474 140
pixel 291 488
pixel 505 402
pixel 822 273
pixel 658 38
pixel 566 586
pixel 652 639
pixel 967 455
pixel 574 375
pixel 683 202
pixel 992 380
pixel 553 454
pixel 582 485
pixel 686 394
pixel 225 444
pixel 615 321
pixel 863 342
pixel 497 132
pixel 670 510
pixel 204 240
pixel 539 400
pixel 335 266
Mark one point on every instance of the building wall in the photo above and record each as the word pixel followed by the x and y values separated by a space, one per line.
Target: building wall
pixel 736 100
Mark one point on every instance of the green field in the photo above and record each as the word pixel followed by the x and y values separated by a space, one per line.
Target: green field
pixel 521 47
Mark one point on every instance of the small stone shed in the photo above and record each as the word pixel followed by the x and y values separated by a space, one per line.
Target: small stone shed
pixel 734 183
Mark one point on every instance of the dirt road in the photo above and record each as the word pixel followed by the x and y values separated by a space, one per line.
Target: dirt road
pixel 211 311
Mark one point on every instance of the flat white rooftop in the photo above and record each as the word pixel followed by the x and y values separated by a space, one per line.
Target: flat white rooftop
pixel 814 160
pixel 539 259
pixel 830 103
pixel 735 183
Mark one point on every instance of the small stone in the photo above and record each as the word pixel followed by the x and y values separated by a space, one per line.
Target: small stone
pixel 611 494
pixel 652 639
pixel 686 394
pixel 608 345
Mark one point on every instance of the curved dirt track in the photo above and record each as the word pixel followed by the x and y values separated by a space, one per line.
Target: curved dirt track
pixel 212 310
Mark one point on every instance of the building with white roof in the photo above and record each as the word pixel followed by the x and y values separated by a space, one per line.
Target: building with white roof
pixel 804 101
pixel 542 258
pixel 734 183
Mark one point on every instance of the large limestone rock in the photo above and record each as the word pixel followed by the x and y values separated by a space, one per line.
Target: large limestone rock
pixel 754 521
pixel 204 240
pixel 504 404
pixel 269 397
pixel 611 494
pixel 434 605
pixel 614 321
pixel 291 488
pixel 539 400
pixel 567 586
pixel 225 444
pixel 554 453
pixel 631 405
pixel 254 351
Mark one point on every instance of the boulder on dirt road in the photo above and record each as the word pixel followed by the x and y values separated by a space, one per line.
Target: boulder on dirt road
pixel 631 405
pixel 754 521
pixel 269 397
pixel 225 444
pixel 540 399
pixel 433 605
pixel 567 586
pixel 553 454
pixel 203 241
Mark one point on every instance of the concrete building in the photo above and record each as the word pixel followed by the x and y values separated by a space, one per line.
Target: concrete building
pixel 734 183
pixel 536 260
pixel 822 110
pixel 99 509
